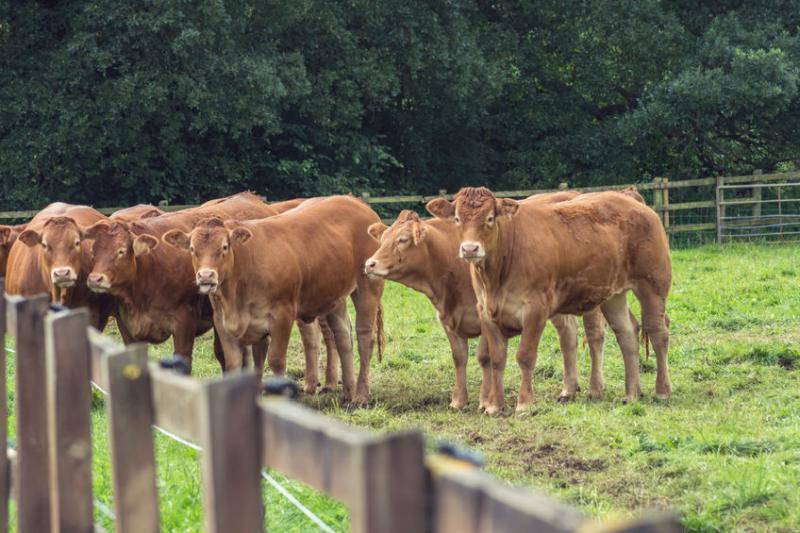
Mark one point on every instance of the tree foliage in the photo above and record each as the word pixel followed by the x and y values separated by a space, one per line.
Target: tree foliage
pixel 113 103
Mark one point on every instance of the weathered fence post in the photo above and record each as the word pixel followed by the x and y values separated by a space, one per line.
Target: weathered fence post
pixel 563 186
pixel 5 467
pixel 231 468
pixel 757 194
pixel 665 202
pixel 33 472
pixel 365 197
pixel 69 406
pixel 720 208
pixel 390 484
pixel 130 417
pixel 658 199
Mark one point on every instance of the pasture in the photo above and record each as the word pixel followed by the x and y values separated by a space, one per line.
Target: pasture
pixel 724 450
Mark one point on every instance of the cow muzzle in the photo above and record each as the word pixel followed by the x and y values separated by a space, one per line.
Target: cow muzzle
pixel 207 281
pixel 472 251
pixel 372 269
pixel 98 282
pixel 63 277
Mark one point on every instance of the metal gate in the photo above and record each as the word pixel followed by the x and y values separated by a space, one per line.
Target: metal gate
pixel 770 213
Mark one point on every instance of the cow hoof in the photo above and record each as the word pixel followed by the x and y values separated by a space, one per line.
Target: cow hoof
pixel 523 408
pixel 595 395
pixel 310 389
pixel 663 397
pixel 360 401
pixel 327 388
pixel 457 405
pixel 566 397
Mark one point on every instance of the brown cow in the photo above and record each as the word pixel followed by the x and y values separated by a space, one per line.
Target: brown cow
pixel 423 255
pixel 153 285
pixel 285 205
pixel 261 275
pixel 52 256
pixel 529 262
pixel 137 212
pixel 8 234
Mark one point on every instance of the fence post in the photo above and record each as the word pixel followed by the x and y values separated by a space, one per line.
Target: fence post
pixel 365 197
pixel 390 486
pixel 69 406
pixel 665 202
pixel 130 417
pixel 658 199
pixel 5 467
pixel 720 208
pixel 757 194
pixel 231 463
pixel 563 186
pixel 33 472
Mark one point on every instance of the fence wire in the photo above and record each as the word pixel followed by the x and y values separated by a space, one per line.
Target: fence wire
pixel 283 491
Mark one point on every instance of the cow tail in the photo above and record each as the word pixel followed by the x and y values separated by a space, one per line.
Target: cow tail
pixel 381 334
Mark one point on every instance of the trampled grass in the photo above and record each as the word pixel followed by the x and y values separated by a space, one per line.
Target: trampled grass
pixel 724 451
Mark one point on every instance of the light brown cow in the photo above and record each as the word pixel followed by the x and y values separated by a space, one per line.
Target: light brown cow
pixel 423 255
pixel 529 262
pixel 285 205
pixel 137 212
pixel 261 275
pixel 52 256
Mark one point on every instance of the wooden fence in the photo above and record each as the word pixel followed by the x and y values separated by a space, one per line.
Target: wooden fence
pixel 656 191
pixel 387 481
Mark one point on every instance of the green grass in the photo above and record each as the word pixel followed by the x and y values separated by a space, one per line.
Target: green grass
pixel 724 451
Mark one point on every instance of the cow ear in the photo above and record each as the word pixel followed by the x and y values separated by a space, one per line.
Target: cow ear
pixel 440 208
pixel 5 234
pixel 376 230
pixel 506 206
pixel 30 237
pixel 94 231
pixel 142 244
pixel 419 232
pixel 241 235
pixel 177 238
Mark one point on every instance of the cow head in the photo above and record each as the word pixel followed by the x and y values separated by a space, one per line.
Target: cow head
pixel 401 252
pixel 115 251
pixel 8 235
pixel 475 211
pixel 60 240
pixel 211 245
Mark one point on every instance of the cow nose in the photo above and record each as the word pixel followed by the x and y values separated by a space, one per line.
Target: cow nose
pixel 206 275
pixel 470 248
pixel 96 279
pixel 370 265
pixel 62 272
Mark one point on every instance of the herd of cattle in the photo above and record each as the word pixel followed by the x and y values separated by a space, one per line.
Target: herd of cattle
pixel 492 267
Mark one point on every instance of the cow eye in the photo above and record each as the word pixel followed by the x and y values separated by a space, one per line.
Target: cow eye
pixel 490 219
pixel 457 220
pixel 225 247
pixel 191 249
pixel 120 252
pixel 77 243
pixel 44 246
pixel 402 240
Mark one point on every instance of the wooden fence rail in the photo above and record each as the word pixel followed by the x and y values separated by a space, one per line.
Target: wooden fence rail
pixel 387 481
pixel 659 188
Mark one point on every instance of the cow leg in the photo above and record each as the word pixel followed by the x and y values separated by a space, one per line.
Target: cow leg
pixel 260 355
pixel 183 339
pixel 332 360
pixel 615 309
pixel 460 349
pixel 654 322
pixel 528 350
pixel 567 328
pixel 309 334
pixel 280 329
pixel 219 353
pixel 497 355
pixel 485 360
pixel 339 323
pixel 233 357
pixel 367 301
pixel 594 328
pixel 124 332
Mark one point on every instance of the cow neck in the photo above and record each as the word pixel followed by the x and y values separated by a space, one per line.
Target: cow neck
pixel 135 293
pixel 493 270
pixel 441 283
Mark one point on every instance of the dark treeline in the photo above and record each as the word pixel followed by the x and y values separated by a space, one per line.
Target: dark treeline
pixel 113 102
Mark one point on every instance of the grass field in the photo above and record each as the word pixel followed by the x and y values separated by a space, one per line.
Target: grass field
pixel 724 451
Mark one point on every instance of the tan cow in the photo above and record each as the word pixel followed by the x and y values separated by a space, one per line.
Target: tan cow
pixel 529 262
pixel 423 255
pixel 52 256
pixel 136 212
pixel 261 275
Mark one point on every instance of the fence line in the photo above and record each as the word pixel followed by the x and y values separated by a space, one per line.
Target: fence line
pixel 386 481
pixel 659 188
